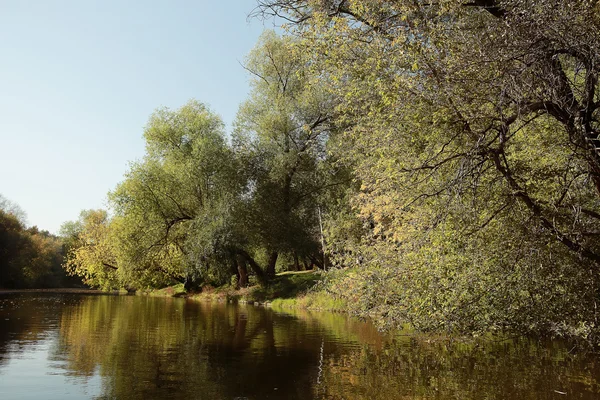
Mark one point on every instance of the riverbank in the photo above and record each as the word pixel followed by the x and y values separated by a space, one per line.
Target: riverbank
pixel 61 290
pixel 301 289
pixel 293 292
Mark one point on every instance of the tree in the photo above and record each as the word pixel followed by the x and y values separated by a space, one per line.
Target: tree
pixel 92 254
pixel 473 130
pixel 280 137
pixel 187 170
pixel 14 209
pixel 527 70
pixel 12 241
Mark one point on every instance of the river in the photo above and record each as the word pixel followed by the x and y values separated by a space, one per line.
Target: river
pixel 73 346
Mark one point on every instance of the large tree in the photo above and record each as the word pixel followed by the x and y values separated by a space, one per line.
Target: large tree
pixel 473 127
pixel 91 250
pixel 188 168
pixel 280 137
pixel 152 239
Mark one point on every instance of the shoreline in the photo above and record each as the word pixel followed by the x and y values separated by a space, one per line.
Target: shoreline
pixel 58 290
pixel 292 290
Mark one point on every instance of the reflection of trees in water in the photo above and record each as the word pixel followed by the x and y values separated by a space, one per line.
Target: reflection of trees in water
pixel 424 367
pixel 148 348
pixel 172 348
pixel 416 369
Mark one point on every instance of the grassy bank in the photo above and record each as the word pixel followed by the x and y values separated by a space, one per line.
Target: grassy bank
pixel 286 290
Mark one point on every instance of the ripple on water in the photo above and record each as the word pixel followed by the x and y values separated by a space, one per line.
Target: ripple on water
pixel 150 348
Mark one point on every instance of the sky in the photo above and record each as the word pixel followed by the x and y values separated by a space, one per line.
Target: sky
pixel 80 78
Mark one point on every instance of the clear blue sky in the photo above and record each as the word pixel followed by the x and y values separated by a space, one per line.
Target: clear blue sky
pixel 79 79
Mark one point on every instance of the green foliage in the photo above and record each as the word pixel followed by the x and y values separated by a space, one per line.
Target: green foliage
pixel 197 209
pixel 445 153
pixel 91 253
pixel 187 172
pixel 29 258
pixel 286 286
pixel 12 241
pixel 312 300
pixel 280 135
pixel 471 132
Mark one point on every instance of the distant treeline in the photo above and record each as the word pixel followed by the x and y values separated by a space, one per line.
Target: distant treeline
pixel 29 258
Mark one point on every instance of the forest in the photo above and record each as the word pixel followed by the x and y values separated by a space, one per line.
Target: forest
pixel 439 160
pixel 29 257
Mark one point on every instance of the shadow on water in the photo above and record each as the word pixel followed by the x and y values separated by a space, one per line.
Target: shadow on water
pixel 153 348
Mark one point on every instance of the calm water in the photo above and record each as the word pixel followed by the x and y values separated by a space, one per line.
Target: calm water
pixel 65 346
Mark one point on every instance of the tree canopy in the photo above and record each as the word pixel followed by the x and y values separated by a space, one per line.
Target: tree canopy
pixel 444 155
pixel 197 209
pixel 473 131
pixel 29 258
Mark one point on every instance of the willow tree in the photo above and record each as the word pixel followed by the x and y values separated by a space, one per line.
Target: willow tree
pixel 474 131
pixel 186 170
pixel 152 238
pixel 280 137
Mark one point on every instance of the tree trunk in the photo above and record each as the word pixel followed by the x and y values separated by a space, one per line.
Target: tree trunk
pixel 233 268
pixel 271 266
pixel 315 261
pixel 297 262
pixel 192 283
pixel 242 271
pixel 307 265
pixel 260 274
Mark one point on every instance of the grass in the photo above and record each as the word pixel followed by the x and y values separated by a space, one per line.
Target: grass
pixel 317 300
pixel 171 291
pixel 287 285
pixel 287 290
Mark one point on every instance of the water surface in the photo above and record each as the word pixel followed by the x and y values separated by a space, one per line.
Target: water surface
pixel 66 346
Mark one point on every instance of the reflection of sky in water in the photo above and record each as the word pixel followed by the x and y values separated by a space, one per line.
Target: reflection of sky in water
pixel 32 371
